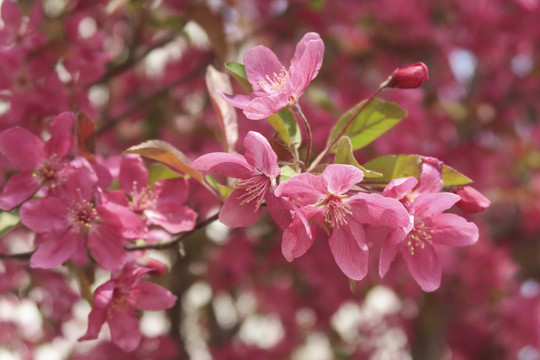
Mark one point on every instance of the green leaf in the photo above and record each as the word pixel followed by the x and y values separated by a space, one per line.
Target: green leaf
pixel 158 171
pixel 374 119
pixel 286 126
pixel 239 72
pixel 400 166
pixel 344 155
pixel 287 172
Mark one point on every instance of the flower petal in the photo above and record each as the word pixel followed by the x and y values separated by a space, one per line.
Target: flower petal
pixel 378 210
pixel 306 63
pixel 260 154
pixel 107 248
pixel 172 217
pixel 59 144
pixel 230 165
pixel 424 266
pixel 264 106
pixel 153 297
pixel 124 328
pixel 11 16
pixel 133 175
pixel 304 189
pixel 18 188
pixel 22 148
pixel 398 188
pixel 239 101
pixel 279 209
pixel 341 178
pixel 346 244
pixel 430 179
pixel 389 252
pixel 45 215
pixel 96 319
pixel 55 250
pixel 235 213
pixel 431 204
pixel 171 190
pixel 296 238
pixel 452 230
pixel 261 64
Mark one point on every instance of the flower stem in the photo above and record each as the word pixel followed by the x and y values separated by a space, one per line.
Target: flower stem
pixel 299 112
pixel 330 146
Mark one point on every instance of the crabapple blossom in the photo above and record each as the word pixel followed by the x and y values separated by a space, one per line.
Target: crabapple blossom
pixel 42 164
pixel 69 221
pixel 429 226
pixel 471 200
pixel 257 171
pixel 323 200
pixel 275 87
pixel 115 302
pixel 409 77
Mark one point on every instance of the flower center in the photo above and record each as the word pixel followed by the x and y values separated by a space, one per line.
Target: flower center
pixel 419 236
pixel 49 172
pixel 255 189
pixel 276 83
pixel 335 211
pixel 83 214
pixel 142 199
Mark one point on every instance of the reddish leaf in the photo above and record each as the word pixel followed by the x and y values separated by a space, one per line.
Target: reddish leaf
pixel 86 137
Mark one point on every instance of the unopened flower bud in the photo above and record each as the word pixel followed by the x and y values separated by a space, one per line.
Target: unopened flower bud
pixel 472 200
pixel 409 77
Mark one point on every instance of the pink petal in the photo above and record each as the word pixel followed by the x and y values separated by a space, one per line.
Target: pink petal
pixel 304 189
pixel 22 148
pixel 349 249
pixel 124 328
pixel 96 319
pixel 61 139
pixel 424 266
pixel 230 165
pixel 153 297
pixel 239 101
pixel 341 178
pixel 55 250
pixel 265 106
pixel 106 246
pixel 171 191
pixel 260 154
pixel 398 188
pixel 124 221
pixel 378 210
pixel 452 230
pixel 279 209
pixel 298 236
pixel 430 179
pixel 388 253
pixel 261 63
pixel 174 218
pixel 18 188
pixel 45 215
pixel 306 63
pixel 133 175
pixel 80 181
pixel 431 204
pixel 11 16
pixel 234 213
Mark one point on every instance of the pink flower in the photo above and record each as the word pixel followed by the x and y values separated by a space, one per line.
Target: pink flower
pixel 115 303
pixel 42 164
pixel 428 226
pixel 275 87
pixel 257 170
pixel 324 201
pixel 160 205
pixel 69 221
pixel 409 77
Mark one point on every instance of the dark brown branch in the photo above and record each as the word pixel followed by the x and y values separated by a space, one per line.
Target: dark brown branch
pixel 17 256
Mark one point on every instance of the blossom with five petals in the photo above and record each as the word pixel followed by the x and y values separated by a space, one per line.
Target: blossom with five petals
pixel 323 200
pixel 429 226
pixel 257 171
pixel 275 87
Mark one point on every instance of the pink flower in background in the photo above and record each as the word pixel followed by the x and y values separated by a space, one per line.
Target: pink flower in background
pixel 115 303
pixel 323 201
pixel 162 203
pixel 275 87
pixel 428 227
pixel 42 164
pixel 257 170
pixel 69 222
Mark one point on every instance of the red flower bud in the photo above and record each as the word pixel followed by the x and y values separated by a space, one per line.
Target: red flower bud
pixel 472 200
pixel 409 77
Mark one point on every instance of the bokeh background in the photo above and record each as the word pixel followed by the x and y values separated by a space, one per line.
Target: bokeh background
pixel 136 68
